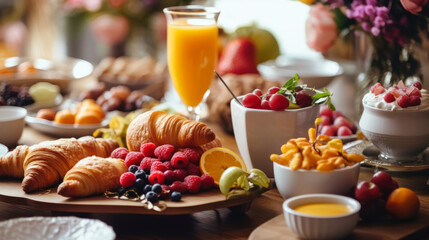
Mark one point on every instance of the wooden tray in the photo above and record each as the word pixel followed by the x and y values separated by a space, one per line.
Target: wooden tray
pixel 276 228
pixel 11 192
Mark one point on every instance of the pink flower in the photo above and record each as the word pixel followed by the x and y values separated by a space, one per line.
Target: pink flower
pixel 117 3
pixel 110 30
pixel 414 6
pixel 320 28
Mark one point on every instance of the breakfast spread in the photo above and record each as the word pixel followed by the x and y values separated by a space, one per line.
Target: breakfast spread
pixel 398 97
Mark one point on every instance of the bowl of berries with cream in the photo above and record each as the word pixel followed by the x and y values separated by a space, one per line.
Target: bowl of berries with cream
pixel 396 120
pixel 263 121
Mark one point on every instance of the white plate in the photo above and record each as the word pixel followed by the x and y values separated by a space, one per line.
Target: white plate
pixel 53 228
pixel 65 130
pixel 3 150
pixel 315 73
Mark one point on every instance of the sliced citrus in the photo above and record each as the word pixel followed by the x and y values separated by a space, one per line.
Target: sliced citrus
pixel 216 160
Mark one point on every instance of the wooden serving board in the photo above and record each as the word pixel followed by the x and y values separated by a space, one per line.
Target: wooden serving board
pixel 276 228
pixel 11 192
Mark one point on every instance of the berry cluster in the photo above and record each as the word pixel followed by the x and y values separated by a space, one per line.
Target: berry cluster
pixel 162 172
pixel 405 96
pixel 335 124
pixel 14 96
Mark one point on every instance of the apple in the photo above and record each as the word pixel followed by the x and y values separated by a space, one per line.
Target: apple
pixel 384 182
pixel 366 192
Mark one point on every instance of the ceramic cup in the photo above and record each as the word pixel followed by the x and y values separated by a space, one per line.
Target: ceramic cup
pixel 260 133
pixel 12 121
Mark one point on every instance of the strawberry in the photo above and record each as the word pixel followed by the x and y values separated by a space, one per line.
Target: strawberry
pixel 239 57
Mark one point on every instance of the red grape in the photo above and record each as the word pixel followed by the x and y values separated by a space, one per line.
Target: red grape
pixel 403 101
pixel 257 92
pixel 414 101
pixel 418 85
pixel 328 130
pixel 326 111
pixel 251 101
pixel 278 102
pixel 273 90
pixel 344 131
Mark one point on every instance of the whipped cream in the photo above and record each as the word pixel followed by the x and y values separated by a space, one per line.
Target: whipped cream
pixel 370 99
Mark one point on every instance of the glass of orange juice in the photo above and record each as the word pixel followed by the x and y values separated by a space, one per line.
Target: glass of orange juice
pixel 192 38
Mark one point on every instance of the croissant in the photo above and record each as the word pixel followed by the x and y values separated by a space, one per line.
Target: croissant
pixel 11 165
pixel 163 128
pixel 92 175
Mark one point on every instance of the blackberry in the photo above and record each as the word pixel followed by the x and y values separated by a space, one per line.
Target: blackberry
pixel 133 169
pixel 176 196
pixel 152 197
pixel 140 174
pixel 157 188
pixel 147 188
pixel 121 190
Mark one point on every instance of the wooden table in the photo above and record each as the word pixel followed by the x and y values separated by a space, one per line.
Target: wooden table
pixel 224 223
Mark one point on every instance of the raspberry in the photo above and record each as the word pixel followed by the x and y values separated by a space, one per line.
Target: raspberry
pixel 168 165
pixel 403 101
pixel 158 166
pixel 178 186
pixel 193 154
pixel 193 169
pixel 147 162
pixel 303 99
pixel 207 182
pixel 278 102
pixel 417 85
pixel 119 152
pixel 156 177
pixel 257 92
pixel 265 105
pixel 180 174
pixel 414 101
pixel 127 179
pixel 273 90
pixel 133 158
pixel 389 97
pixel 193 183
pixel 147 149
pixel 179 160
pixel 170 176
pixel 164 152
pixel 251 101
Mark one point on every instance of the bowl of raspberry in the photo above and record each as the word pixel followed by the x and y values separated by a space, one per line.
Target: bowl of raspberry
pixel 395 120
pixel 262 122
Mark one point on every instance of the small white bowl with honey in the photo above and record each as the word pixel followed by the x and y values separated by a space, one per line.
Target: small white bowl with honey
pixel 321 216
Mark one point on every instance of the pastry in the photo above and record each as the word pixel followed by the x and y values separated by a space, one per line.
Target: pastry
pixel 162 128
pixel 92 175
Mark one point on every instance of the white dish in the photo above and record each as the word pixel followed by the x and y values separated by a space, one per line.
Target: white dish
pixel 65 130
pixel 3 150
pixel 321 227
pixel 36 106
pixel 11 124
pixel 53 228
pixel 315 73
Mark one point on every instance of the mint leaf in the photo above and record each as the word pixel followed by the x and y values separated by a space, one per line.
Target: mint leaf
pixel 290 85
pixel 323 97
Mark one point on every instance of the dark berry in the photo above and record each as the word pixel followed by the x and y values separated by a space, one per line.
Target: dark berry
pixel 418 85
pixel 303 99
pixel 139 183
pixel 176 196
pixel 127 179
pixel 147 188
pixel 179 160
pixel 148 149
pixel 414 101
pixel 152 197
pixel 164 152
pixel 157 188
pixel 121 190
pixel 133 168
pixel 170 176
pixel 120 152
pixel 140 174
pixel 156 177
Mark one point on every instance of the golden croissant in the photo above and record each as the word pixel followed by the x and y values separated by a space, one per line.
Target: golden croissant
pixel 163 128
pixel 92 175
pixel 44 164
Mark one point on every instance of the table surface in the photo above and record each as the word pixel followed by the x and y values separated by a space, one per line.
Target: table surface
pixel 220 223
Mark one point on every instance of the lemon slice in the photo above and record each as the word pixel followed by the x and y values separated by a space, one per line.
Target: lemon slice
pixel 216 160
pixel 44 92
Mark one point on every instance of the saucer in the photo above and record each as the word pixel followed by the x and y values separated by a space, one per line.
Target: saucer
pixel 3 150
pixel 367 149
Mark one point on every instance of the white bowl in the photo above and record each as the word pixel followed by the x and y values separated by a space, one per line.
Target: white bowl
pixel 260 133
pixel 400 135
pixel 292 183
pixel 12 121
pixel 321 227
pixel 315 73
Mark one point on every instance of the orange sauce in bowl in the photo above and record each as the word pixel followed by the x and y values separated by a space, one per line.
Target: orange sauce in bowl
pixel 323 208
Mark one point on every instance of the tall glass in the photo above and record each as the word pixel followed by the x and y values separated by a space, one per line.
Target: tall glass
pixel 192 38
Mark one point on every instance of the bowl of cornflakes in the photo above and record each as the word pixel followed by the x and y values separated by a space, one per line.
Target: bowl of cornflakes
pixel 315 165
